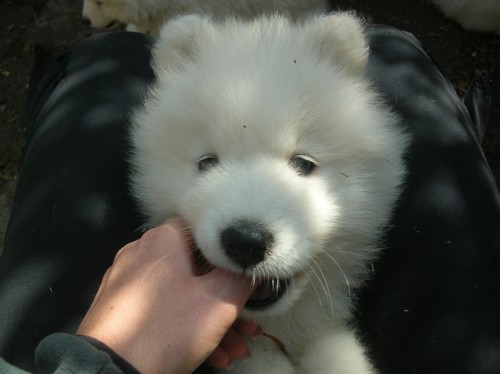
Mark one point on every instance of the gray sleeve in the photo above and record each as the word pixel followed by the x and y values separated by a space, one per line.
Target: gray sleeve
pixel 65 353
pixel 6 368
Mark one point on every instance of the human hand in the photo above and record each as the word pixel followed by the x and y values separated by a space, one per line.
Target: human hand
pixel 233 346
pixel 156 312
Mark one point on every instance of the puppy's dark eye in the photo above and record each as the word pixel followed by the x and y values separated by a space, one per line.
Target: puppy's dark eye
pixel 303 165
pixel 207 162
pixel 99 3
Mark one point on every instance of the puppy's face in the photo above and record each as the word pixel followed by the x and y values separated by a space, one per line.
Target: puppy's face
pixel 267 215
pixel 275 155
pixel 106 14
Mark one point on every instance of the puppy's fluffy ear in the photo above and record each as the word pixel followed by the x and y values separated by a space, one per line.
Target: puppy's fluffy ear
pixel 340 38
pixel 178 40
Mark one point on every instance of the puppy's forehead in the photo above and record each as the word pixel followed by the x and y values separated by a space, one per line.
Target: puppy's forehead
pixel 271 96
pixel 249 114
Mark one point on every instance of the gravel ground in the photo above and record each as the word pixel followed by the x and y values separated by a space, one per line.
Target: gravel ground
pixel 56 25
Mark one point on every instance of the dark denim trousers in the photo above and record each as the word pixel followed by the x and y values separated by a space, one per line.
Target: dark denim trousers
pixel 433 305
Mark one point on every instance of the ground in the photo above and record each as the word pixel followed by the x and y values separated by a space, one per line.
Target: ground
pixel 56 25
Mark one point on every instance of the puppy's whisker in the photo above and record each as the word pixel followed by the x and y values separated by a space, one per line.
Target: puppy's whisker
pixel 339 250
pixel 254 279
pixel 150 269
pixel 292 281
pixel 325 284
pixel 188 242
pixel 342 271
pixel 166 255
pixel 314 285
pixel 322 282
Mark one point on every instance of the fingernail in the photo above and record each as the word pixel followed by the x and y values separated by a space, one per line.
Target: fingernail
pixel 229 366
pixel 247 356
pixel 257 332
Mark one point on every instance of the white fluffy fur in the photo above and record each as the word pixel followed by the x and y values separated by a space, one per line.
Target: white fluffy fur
pixel 147 16
pixel 255 94
pixel 481 15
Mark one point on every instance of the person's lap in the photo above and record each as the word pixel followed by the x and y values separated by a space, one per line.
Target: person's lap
pixel 72 211
pixel 433 303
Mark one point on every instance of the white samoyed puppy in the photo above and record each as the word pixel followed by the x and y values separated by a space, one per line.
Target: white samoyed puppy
pixel 481 15
pixel 267 138
pixel 147 16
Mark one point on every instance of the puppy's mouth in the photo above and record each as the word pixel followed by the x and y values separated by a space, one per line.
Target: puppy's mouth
pixel 268 292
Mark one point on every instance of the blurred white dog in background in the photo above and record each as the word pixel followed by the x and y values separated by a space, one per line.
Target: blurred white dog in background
pixel 147 16
pixel 480 15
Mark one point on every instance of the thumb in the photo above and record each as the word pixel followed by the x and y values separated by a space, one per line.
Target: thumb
pixel 229 287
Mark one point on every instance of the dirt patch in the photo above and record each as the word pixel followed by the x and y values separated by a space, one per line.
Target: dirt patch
pixel 56 25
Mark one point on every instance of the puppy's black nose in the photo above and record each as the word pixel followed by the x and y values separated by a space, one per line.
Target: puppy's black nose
pixel 86 21
pixel 246 243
